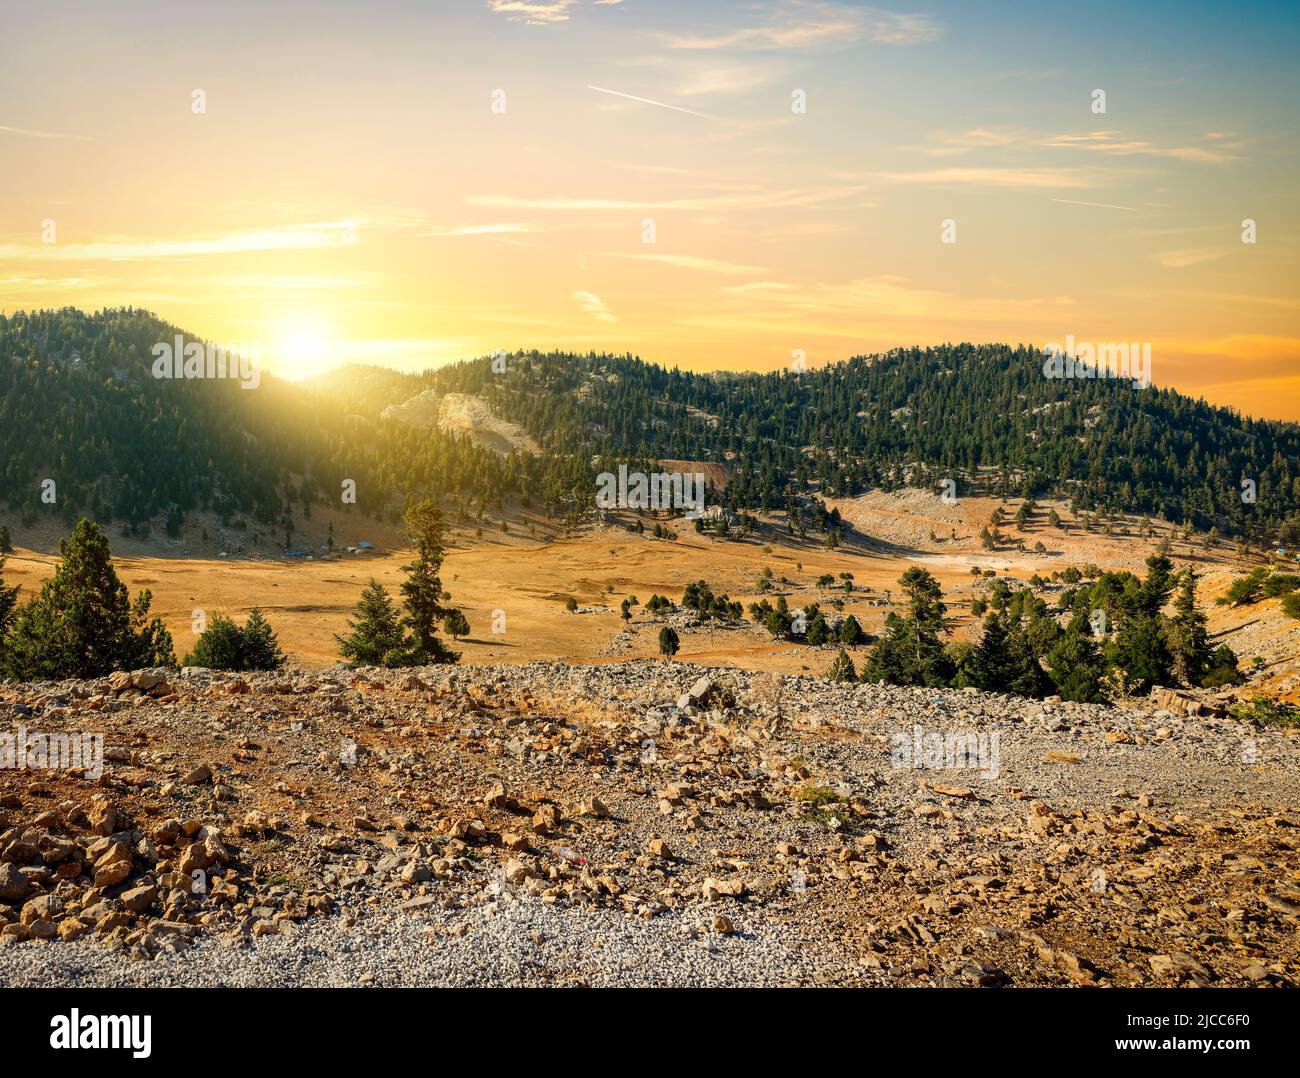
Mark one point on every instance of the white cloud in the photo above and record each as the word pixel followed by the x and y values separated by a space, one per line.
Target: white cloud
pixel 591 304
pixel 810 25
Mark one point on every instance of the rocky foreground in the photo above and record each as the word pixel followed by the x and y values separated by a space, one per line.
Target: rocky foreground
pixel 639 823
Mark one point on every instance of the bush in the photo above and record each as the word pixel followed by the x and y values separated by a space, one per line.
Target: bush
pixel 1281 584
pixel 1291 605
pixel 455 624
pixel 841 668
pixel 668 641
pixel 1222 669
pixel 1266 712
pixel 223 645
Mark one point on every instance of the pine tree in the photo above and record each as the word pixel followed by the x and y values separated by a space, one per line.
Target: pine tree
pixel 261 649
pixel 992 663
pixel 1075 665
pixel 851 632
pixel 818 631
pixel 455 624
pixel 1189 642
pixel 82 624
pixel 375 636
pixel 8 604
pixel 219 646
pixel 668 642
pixel 841 668
pixel 910 651
pixel 422 588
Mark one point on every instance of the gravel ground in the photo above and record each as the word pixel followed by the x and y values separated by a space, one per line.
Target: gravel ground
pixel 515 943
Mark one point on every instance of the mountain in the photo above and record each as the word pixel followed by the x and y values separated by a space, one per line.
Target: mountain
pixel 80 405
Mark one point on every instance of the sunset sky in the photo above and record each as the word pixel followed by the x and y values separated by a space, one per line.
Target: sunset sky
pixel 351 193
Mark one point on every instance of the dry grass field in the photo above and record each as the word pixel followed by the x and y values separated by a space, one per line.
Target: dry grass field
pixel 520 582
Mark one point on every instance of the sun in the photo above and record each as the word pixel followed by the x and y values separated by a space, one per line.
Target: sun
pixel 303 348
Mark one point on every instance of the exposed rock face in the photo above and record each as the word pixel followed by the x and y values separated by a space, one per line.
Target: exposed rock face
pixel 461 413
pixel 906 836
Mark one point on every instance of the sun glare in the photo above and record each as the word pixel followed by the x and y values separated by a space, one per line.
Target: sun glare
pixel 303 348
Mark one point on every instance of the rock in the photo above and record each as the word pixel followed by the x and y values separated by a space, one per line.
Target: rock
pixel 1119 737
pixel 256 822
pixel 13 884
pixel 517 871
pixel 102 816
pixel 495 797
pixel 145 680
pixel 1178 965
pixel 722 925
pixel 659 848
pixel 197 776
pixel 594 806
pixel 713 889
pixel 114 866
pixel 697 695
pixel 414 872
pixel 139 899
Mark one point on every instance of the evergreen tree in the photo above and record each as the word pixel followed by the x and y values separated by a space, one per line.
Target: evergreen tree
pixel 455 624
pixel 219 646
pixel 8 604
pixel 261 648
pixel 1075 665
pixel 841 668
pixel 851 632
pixel 422 588
pixel 992 663
pixel 1222 669
pixel 82 624
pixel 668 642
pixel 910 652
pixel 375 636
pixel 1189 642
pixel 818 631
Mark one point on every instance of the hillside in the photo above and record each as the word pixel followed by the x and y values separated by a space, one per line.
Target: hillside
pixel 81 407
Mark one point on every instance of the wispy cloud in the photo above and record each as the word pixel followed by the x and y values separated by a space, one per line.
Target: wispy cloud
pixel 1008 178
pixel 760 200
pixel 1112 142
pixel 290 238
pixel 541 12
pixel 537 12
pixel 1098 205
pixel 24 132
pixel 1189 256
pixel 811 25
pixel 495 229
pixel 592 304
pixel 690 262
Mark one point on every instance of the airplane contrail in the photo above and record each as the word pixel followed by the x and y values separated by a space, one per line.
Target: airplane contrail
pixel 648 101
pixel 1099 205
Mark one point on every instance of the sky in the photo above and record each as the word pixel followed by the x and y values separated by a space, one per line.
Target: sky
pixel 704 184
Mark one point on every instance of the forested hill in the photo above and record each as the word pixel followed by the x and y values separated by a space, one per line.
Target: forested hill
pixel 79 404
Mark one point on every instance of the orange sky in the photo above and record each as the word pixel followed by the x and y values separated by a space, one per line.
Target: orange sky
pixel 350 192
